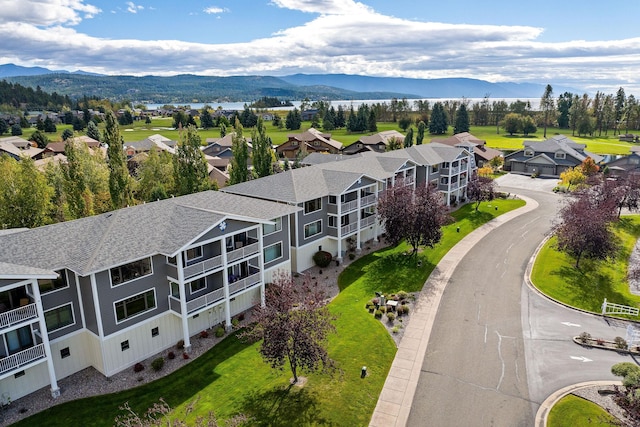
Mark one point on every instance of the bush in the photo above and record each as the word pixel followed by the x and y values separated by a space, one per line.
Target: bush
pixel 369 305
pixel 584 337
pixel 621 343
pixel 322 259
pixel 396 329
pixel 219 331
pixel 138 367
pixel 185 356
pixel 204 334
pixel 157 364
pixel 241 317
pixel 171 355
pixel 352 256
pixel 378 314
pixel 391 317
pixel 402 295
pixel 400 310
pixel 234 322
pixel 599 341
pixel 383 309
pixel 180 345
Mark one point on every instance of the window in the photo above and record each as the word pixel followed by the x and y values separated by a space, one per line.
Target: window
pixel 59 317
pixel 50 285
pixel 172 260
pixel 194 253
pixel 198 285
pixel 155 332
pixel 133 270
pixel 269 228
pixel 344 220
pixel 312 229
pixel 560 155
pixel 444 180
pixel 273 252
pixel 332 200
pixel 333 221
pixel 124 345
pixel 312 206
pixel 135 305
pixel 65 352
pixel 528 153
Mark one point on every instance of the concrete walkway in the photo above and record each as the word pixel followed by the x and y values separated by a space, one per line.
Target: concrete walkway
pixel 396 398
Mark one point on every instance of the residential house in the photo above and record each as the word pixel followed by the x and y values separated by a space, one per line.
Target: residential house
pixel 377 142
pixel 481 153
pixel 110 290
pixel 548 158
pixel 221 147
pixel 623 166
pixel 153 142
pixel 309 141
pixel 17 147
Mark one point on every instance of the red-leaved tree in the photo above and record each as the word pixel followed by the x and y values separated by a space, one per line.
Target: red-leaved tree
pixel 293 325
pixel 480 189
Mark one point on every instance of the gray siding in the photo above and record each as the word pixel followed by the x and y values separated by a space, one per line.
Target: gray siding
pixel 280 236
pixel 312 217
pixel 63 297
pixel 232 227
pixel 87 305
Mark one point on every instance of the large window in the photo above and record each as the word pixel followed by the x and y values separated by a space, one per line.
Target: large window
pixel 194 253
pixel 333 221
pixel 198 285
pixel 312 229
pixel 135 305
pixel 59 317
pixel 560 155
pixel 269 228
pixel 273 252
pixel 49 285
pixel 133 270
pixel 312 205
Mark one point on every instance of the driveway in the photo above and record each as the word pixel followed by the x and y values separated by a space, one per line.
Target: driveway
pixel 523 182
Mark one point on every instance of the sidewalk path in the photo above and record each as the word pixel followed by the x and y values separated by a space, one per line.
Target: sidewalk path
pixel 396 398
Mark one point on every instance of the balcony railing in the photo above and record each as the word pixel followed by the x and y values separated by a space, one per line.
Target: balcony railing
pixel 18 360
pixel 203 267
pixel 350 228
pixel 243 252
pixel 242 284
pixel 197 303
pixel 349 206
pixel 365 222
pixel 21 314
pixel 368 200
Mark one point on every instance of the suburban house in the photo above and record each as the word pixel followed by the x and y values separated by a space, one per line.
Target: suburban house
pixel 153 142
pixel 377 142
pixel 481 153
pixel 624 166
pixel 111 290
pixel 17 147
pixel 548 158
pixel 221 147
pixel 338 197
pixel 55 148
pixel 309 141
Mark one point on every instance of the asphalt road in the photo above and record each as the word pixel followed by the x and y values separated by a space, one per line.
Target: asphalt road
pixel 497 348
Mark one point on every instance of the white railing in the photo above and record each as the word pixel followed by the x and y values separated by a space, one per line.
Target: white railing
pixel 243 284
pixel 454 186
pixel 349 206
pixel 350 228
pixel 174 304
pixel 611 308
pixel 205 300
pixel 368 200
pixel 203 267
pixel 408 180
pixel 365 222
pixel 22 358
pixel 243 252
pixel 13 317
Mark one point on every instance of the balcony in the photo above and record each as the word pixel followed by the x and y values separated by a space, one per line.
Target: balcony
pixel 18 315
pixel 246 283
pixel 348 229
pixel 197 303
pixel 242 252
pixel 368 200
pixel 367 221
pixel 22 358
pixel 349 206
pixel 203 267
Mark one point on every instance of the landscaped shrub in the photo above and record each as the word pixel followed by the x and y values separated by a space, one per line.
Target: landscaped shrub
pixel 138 367
pixel 234 322
pixel 322 259
pixel 204 334
pixel 185 356
pixel 395 329
pixel 171 355
pixel 383 309
pixel 400 309
pixel 584 337
pixel 241 317
pixel 352 256
pixel 391 317
pixel 620 342
pixel 402 295
pixel 600 341
pixel 219 331
pixel 378 314
pixel 369 305
pixel 180 345
pixel 157 364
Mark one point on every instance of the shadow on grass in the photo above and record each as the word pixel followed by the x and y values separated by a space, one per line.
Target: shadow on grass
pixel 629 225
pixel 589 287
pixel 287 406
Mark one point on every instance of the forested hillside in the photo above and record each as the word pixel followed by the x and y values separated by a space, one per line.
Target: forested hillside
pixel 14 96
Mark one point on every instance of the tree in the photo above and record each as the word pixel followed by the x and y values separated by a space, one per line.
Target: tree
pixel 329 121
pixel 67 134
pixel 394 144
pixel 294 325
pixel 190 170
pixel 180 119
pixel 572 176
pixel 512 123
pixel 239 163
pixel 119 179
pixel 500 109
pixel 4 127
pixel 496 163
pixel 438 123
pixel 223 130
pixel 415 215
pixel 528 125
pixel 262 154
pixel 340 119
pixel 564 107
pixel 589 167
pixel 77 194
pixel 462 119
pixel 480 189
pixel 293 120
pixel 16 130
pixel 583 231
pixel 372 126
pixel 547 106
pixel 78 124
pixel 155 177
pixel 125 118
pixel 277 121
pixel 421 128
pixel 25 197
pixel 39 138
pixel 206 121
pixel 49 125
pixel 93 131
pixel 408 139
pixel 404 123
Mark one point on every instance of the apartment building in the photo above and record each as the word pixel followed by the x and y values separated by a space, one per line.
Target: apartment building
pixel 110 290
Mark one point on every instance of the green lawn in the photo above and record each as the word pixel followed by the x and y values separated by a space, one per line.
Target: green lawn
pixel 573 411
pixel 554 273
pixel 231 378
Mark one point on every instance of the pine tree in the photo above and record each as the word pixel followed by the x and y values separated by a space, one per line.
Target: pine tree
pixel 438 123
pixel 93 131
pixel 328 123
pixel 408 139
pixel 206 121
pixel 421 129
pixel 262 153
pixel 119 179
pixel 340 119
pixel 462 120
pixel 372 126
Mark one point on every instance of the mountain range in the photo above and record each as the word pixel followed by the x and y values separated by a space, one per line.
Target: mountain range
pixel 188 88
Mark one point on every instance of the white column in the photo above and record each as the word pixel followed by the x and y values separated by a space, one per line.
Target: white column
pixel 339 202
pixel 96 308
pixel 225 281
pixel 261 265
pixel 358 214
pixel 55 390
pixel 183 302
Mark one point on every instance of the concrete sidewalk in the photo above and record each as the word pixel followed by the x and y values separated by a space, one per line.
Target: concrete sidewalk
pixel 396 398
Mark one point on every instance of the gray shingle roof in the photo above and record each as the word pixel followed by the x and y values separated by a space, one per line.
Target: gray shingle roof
pixel 10 271
pixel 96 243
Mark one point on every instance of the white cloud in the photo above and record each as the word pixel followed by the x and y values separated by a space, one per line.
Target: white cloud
pixel 46 12
pixel 328 7
pixel 133 8
pixel 214 10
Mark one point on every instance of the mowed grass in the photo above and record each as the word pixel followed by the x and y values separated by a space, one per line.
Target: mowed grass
pixel 554 273
pixel 232 378
pixel 572 411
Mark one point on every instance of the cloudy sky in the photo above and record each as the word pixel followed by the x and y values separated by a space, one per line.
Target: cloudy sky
pixel 590 45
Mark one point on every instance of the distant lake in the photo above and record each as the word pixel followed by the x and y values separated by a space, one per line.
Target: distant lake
pixel 535 102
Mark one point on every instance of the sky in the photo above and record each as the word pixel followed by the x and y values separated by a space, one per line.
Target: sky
pixel 589 45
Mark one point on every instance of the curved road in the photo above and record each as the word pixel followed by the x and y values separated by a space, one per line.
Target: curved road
pixel 498 349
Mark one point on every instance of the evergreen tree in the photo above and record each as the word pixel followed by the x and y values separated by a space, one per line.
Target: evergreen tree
pixel 239 163
pixel 49 126
pixel 372 126
pixel 147 120
pixel 328 123
pixel 125 118
pixel 438 124
pixel 190 169
pixel 206 121
pixel 180 119
pixel 16 130
pixel 547 106
pixel 223 130
pixel 293 120
pixel 340 119
pixel 4 127
pixel 67 134
pixel 421 129
pixel 24 123
pixel 277 121
pixel 408 139
pixel 40 124
pixel 119 179
pixel 462 119
pixel 352 121
pixel 285 165
pixel 262 154
pixel 191 121
pixel 39 138
pixel 78 124
pixel 93 131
